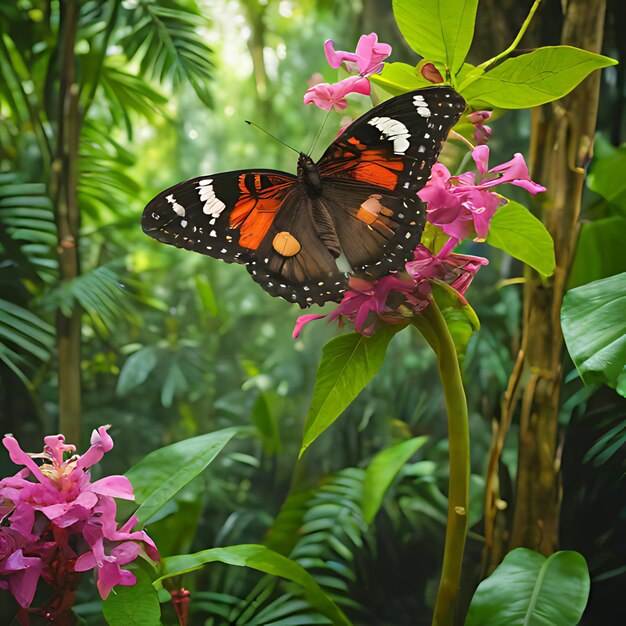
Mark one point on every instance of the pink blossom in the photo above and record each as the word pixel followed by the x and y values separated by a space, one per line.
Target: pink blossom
pixel 333 96
pixel 55 521
pixel 368 58
pixel 19 574
pixel 482 133
pixel 462 205
pixel 394 299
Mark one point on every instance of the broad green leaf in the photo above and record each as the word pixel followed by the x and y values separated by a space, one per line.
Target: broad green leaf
pixel 136 605
pixel 441 31
pixel 541 76
pixel 264 418
pixel 606 177
pixel 262 559
pixel 382 470
pixel 519 233
pixel 348 363
pixel 461 319
pixel 398 78
pixel 593 318
pixel 528 589
pixel 164 472
pixel 600 250
pixel 136 369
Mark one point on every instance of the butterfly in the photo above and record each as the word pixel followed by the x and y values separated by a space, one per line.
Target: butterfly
pixel 354 212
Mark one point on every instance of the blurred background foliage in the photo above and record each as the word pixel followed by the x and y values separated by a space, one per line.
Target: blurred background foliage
pixel 175 345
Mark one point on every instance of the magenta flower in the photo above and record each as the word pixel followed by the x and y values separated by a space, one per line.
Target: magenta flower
pixel 394 299
pixel 368 58
pixel 462 205
pixel 19 574
pixel 481 132
pixel 333 96
pixel 56 523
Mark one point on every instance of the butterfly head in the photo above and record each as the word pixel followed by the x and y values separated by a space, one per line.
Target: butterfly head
pixel 308 172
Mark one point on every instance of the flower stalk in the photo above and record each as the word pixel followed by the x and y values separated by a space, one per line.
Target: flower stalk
pixel 434 328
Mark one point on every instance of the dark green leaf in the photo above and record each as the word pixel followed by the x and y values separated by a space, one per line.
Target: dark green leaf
pixel 348 363
pixel 528 80
pixel 606 177
pixel 600 250
pixel 593 318
pixel 527 589
pixel 164 472
pixel 137 605
pixel 262 559
pixel 519 233
pixel 136 369
pixel 382 470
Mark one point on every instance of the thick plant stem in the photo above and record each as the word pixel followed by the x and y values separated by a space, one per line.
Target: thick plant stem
pixel 435 329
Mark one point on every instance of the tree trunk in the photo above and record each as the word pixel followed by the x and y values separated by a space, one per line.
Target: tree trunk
pixel 561 145
pixel 64 191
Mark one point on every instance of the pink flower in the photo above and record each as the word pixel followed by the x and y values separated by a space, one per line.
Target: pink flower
pixel 461 205
pixel 333 96
pixel 394 299
pixel 457 270
pixel 368 58
pixel 53 522
pixel 19 574
pixel 481 132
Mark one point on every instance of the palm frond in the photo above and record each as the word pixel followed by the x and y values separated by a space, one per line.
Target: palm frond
pixel 104 189
pixel 127 92
pixel 25 340
pixel 27 228
pixel 167 40
pixel 99 292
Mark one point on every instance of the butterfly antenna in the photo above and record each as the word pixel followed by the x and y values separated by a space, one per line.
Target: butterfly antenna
pixel 319 132
pixel 272 136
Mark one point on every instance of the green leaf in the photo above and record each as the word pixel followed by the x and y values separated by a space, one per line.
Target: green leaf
pixel 382 470
pixel 593 318
pixel 606 177
pixel 164 472
pixel 348 363
pixel 264 418
pixel 262 559
pixel 541 76
pixel 398 78
pixel 519 233
pixel 441 31
pixel 137 369
pixel 600 250
pixel 527 589
pixel 136 605
pixel 461 319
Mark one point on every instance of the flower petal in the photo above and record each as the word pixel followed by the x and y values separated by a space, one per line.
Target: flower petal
pixel 302 321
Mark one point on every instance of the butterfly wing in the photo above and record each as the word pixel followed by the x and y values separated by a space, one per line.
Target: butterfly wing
pixel 257 218
pixel 372 172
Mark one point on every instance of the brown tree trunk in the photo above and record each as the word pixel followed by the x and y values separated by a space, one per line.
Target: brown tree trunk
pixel 64 191
pixel 561 146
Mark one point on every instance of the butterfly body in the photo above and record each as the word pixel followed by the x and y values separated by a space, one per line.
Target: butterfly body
pixel 354 212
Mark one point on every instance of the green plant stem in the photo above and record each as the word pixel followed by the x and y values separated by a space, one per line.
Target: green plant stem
pixel 435 330
pixel 520 34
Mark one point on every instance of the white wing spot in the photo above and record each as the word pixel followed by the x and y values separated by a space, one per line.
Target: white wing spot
pixel 394 131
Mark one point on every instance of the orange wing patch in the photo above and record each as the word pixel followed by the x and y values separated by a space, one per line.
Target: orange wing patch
pixel 254 214
pixel 367 165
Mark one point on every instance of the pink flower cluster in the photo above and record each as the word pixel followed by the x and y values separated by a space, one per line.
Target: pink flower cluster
pixel 366 60
pixel 464 205
pixel 394 299
pixel 56 523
